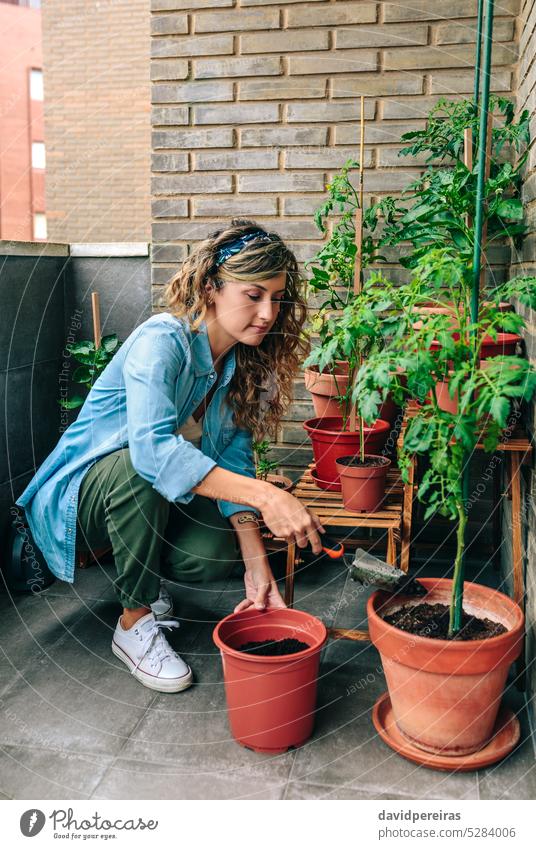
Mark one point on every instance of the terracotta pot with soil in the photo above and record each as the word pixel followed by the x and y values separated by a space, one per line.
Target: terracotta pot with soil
pixel 281 481
pixel 446 693
pixel 270 668
pixel 363 482
pixel 330 441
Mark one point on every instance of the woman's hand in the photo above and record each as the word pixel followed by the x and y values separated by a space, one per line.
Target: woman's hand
pixel 287 518
pixel 261 589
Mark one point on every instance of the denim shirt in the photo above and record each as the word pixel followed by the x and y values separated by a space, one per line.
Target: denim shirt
pixel 150 388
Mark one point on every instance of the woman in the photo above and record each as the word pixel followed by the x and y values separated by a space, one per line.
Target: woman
pixel 159 462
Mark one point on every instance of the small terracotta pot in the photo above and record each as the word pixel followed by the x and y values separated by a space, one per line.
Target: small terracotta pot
pixel 271 701
pixel 446 693
pixel 363 487
pixel 326 386
pixel 330 441
pixel 281 481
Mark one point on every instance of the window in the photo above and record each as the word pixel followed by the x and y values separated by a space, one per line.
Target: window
pixel 40 225
pixel 38 154
pixel 36 84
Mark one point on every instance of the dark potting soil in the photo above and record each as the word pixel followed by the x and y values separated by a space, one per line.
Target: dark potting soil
pixel 432 620
pixel 369 462
pixel 274 648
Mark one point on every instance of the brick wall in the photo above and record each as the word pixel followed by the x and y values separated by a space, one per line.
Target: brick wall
pixel 255 104
pixel 97 120
pixel 525 263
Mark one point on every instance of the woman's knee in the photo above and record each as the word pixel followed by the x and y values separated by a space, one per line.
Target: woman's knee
pixel 202 551
pixel 125 481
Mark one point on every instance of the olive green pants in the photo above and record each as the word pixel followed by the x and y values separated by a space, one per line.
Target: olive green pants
pixel 150 536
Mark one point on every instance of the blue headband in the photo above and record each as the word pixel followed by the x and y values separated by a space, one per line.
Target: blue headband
pixel 236 246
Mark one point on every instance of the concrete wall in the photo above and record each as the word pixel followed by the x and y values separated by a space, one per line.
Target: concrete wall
pixel 32 284
pixel 45 295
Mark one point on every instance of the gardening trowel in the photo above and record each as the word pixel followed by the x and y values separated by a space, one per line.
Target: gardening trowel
pixel 368 569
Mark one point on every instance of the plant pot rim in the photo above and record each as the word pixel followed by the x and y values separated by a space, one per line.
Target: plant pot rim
pixel 502 337
pixel 458 646
pixel 275 476
pixel 343 365
pixel 379 426
pixel 299 616
pixel 385 460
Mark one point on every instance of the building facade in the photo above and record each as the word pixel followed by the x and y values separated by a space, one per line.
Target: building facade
pixel 22 140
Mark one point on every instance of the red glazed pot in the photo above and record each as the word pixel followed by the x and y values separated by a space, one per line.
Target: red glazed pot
pixel 271 701
pixel 446 694
pixel 363 487
pixel 330 441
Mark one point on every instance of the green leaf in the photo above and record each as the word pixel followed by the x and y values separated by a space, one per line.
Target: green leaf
pixel 82 375
pixel 510 208
pixel 84 348
pixel 499 409
pixel 71 404
pixel 109 343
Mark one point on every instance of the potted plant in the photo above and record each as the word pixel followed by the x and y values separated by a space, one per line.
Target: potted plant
pixel 331 282
pixel 93 362
pixel 351 336
pixel 437 210
pixel 270 668
pixel 266 467
pixel 445 672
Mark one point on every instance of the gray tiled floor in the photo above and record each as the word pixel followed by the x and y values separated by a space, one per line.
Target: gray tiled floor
pixel 75 724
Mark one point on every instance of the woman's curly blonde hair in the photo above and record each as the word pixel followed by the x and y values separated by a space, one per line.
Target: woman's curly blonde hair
pixel 261 387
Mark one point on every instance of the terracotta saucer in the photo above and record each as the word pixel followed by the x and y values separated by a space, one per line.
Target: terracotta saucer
pixel 329 486
pixel 506 736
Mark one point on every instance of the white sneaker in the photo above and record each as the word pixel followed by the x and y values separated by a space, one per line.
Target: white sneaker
pixel 163 606
pixel 148 655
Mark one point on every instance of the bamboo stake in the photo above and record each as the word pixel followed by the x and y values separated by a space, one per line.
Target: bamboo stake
pixel 489 125
pixel 468 159
pixel 95 306
pixel 468 148
pixel 359 212
pixel 359 249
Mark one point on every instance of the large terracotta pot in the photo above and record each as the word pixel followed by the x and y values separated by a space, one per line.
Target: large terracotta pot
pixel 446 694
pixel 330 441
pixel 325 386
pixel 271 701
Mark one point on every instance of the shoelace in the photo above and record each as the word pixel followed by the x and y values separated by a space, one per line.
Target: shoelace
pixel 155 639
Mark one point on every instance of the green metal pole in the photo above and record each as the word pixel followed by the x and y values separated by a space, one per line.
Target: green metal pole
pixel 478 55
pixel 482 130
pixel 477 248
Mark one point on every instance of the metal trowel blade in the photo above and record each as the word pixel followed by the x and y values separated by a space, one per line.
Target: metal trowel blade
pixel 370 570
